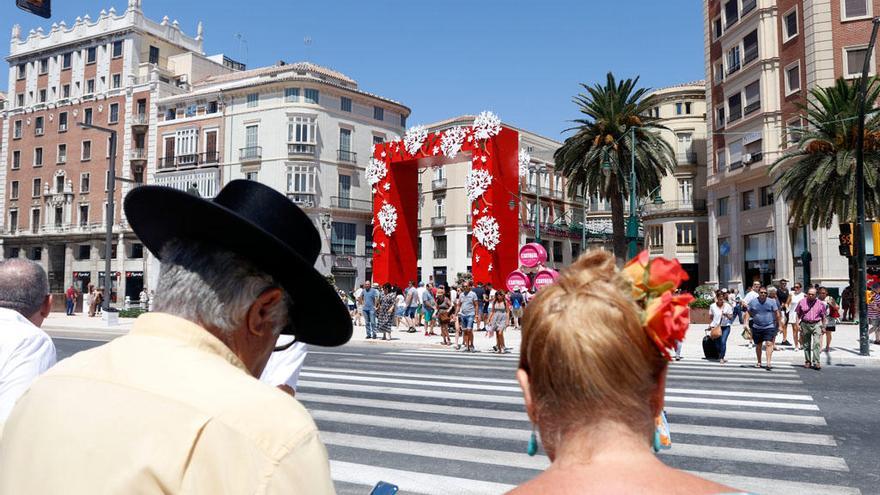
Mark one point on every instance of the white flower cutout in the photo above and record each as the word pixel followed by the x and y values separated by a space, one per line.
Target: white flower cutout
pixel 387 218
pixel 476 183
pixel 486 125
pixel 524 160
pixel 387 186
pixel 374 244
pixel 384 154
pixel 414 138
pixel 486 232
pixel 477 258
pixel 490 267
pixel 435 150
pixel 376 171
pixel 451 140
pixel 476 211
pixel 372 149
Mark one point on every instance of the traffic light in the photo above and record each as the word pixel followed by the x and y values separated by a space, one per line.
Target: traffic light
pixel 42 8
pixel 875 232
pixel 846 239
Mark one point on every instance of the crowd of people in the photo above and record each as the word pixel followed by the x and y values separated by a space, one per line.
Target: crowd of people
pixel 456 312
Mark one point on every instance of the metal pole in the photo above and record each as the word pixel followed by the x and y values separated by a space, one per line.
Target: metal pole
pixel 632 227
pixel 806 258
pixel 861 267
pixel 584 221
pixel 111 188
pixel 538 209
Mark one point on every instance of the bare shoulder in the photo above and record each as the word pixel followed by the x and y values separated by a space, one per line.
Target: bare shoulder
pixel 651 481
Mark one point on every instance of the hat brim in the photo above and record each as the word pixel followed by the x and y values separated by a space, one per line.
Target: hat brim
pixel 160 214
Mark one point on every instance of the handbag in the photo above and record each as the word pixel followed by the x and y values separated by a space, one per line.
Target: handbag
pixel 715 332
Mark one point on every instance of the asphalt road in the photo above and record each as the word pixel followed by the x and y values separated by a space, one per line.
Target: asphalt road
pixel 436 421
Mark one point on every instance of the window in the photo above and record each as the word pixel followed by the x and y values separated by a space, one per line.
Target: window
pixel 794 132
pixel 687 108
pixel 678 108
pixel 16 130
pixel 212 107
pixel 343 189
pixel 16 159
pixel 345 104
pixel 748 200
pixel 13 227
pixel 301 180
pixel 44 65
pixel 719 113
pixel 731 12
pixel 117 49
pixel 21 72
pixel 62 122
pixel 65 91
pixel 137 250
pixel 767 196
pixel 302 134
pixel 154 55
pixel 753 97
pixel 91 55
pixel 59 183
pixel 557 251
pixel 87 115
pixel 470 245
pixel 84 182
pixel 38 184
pixel 655 235
pixel 114 113
pixel 717 28
pixel 733 60
pixel 86 151
pixel 117 81
pixel 35 227
pixel 38 126
pixel 368 240
pixel 345 144
pixel 13 189
pixel 402 120
pixel 38 157
pixel 686 190
pixel 439 246
pixel 790 25
pixel 170 114
pixel 750 47
pixel 721 207
pixel 378 113
pixel 854 60
pixel 439 207
pixel 251 136
pixel 854 8
pixel 792 79
pixel 90 86
pixel 253 99
pixel 734 148
pixel 65 61
pixel 734 107
pixel 106 180
pixel 291 95
pixel 62 153
pixel 343 237
pixel 686 234
pixel 84 222
pixel 378 140
pixel 311 96
pixel 41 96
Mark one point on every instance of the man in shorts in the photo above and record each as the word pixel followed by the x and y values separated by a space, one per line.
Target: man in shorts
pixel 479 291
pixel 516 304
pixel 765 319
pixel 411 299
pixel 467 307
pixel 783 295
pixel 429 305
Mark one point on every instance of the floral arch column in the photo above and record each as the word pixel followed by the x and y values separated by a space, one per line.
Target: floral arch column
pixel 492 187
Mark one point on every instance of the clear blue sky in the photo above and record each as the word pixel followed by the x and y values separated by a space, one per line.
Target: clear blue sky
pixel 521 59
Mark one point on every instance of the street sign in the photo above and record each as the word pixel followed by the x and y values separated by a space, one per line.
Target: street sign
pixel 42 8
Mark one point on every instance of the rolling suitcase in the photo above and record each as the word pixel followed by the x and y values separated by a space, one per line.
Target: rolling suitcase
pixel 710 350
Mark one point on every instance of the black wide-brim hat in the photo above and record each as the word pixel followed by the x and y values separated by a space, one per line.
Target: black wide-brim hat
pixel 261 225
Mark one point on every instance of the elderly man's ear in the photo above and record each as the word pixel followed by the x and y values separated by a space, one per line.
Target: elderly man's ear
pixel 43 313
pixel 259 319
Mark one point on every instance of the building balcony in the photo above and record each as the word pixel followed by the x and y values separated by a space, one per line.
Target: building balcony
pixel 303 199
pixel 556 194
pixel 138 154
pixel 301 149
pixel 250 154
pixel 438 184
pixel 438 221
pixel 697 206
pixel 751 107
pixel 686 248
pixel 350 204
pixel 205 181
pixel 686 157
pixel 193 160
pixel 346 156
pixel 140 119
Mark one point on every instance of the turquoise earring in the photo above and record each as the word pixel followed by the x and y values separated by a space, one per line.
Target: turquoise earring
pixel 656 444
pixel 533 444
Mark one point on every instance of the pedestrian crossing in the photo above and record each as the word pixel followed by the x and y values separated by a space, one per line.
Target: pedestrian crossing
pixel 435 421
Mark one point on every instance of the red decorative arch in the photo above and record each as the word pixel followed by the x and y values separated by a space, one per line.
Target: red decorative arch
pixel 493 183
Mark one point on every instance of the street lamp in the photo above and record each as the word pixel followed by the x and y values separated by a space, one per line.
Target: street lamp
pixel 537 170
pixel 861 268
pixel 111 183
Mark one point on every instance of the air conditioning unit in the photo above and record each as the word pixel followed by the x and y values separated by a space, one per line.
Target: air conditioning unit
pixel 747 158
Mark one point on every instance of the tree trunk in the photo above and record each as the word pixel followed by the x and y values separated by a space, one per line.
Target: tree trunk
pixel 618 227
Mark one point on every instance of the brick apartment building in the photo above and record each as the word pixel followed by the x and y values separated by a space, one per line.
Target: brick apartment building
pixel 762 58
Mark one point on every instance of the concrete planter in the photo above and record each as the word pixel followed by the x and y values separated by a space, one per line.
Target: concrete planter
pixel 700 316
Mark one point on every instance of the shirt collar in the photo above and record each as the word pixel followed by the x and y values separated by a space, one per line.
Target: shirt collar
pixel 13 315
pixel 166 326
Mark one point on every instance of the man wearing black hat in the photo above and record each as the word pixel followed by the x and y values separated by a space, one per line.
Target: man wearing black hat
pixel 174 406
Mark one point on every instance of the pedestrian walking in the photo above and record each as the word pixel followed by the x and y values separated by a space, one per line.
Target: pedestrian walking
pixel 517 304
pixel 874 312
pixel 832 316
pixel 142 299
pixel 175 406
pixel 97 302
pixel 847 303
pixel 387 307
pixel 444 314
pixel 70 300
pixel 400 306
pixel 420 308
pixel 811 312
pixel 784 297
pixel 369 301
pixel 764 319
pixel 359 305
pixel 468 307
pixel 797 294
pixel 499 316
pixel 722 314
pixel 479 290
pixel 26 351
pixel 429 306
pixel 412 305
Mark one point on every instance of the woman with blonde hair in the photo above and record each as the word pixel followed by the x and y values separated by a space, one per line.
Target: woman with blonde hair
pixel 593 362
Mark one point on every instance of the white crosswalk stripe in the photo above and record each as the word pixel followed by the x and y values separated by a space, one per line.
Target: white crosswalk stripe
pixel 437 421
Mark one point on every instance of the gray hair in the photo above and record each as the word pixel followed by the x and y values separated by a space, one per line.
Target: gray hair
pixel 213 287
pixel 23 286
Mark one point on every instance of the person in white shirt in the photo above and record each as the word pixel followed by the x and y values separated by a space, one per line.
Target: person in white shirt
pixel 25 350
pixel 722 314
pixel 283 368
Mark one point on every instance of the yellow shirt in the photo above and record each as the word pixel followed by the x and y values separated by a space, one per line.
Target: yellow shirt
pixel 167 408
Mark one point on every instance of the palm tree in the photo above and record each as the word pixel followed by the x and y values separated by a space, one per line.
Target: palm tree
pixel 816 178
pixel 602 138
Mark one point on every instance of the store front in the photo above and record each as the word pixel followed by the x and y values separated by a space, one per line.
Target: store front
pixel 134 284
pixel 760 258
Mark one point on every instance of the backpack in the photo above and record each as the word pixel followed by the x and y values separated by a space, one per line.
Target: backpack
pixel 516 301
